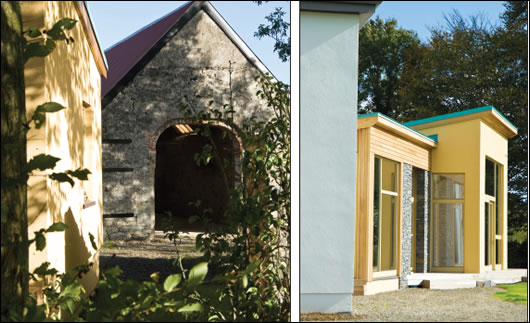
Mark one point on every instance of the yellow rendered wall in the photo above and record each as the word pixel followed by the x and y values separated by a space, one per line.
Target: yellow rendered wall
pixel 462 148
pixel 458 152
pixel 495 146
pixel 70 77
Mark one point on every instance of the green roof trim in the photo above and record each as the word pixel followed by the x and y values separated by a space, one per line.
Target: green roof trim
pixel 434 137
pixel 457 114
pixel 360 116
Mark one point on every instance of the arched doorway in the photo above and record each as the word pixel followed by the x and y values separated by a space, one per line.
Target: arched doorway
pixel 180 182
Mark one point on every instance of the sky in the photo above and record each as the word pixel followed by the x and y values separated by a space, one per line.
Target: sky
pixel 420 15
pixel 115 20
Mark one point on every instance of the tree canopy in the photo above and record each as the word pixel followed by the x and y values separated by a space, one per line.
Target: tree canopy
pixel 467 63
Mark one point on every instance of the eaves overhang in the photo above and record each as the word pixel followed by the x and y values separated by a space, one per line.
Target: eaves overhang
pixel 382 121
pixel 364 8
pixel 90 31
pixel 489 114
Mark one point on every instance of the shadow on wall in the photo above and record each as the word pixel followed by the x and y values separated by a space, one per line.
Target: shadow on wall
pixel 70 77
pixel 76 251
pixel 199 65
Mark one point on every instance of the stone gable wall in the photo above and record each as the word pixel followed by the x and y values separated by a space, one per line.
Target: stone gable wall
pixel 199 64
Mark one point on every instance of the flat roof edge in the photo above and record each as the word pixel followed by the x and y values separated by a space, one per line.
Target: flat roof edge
pixel 459 114
pixel 340 6
pixel 400 125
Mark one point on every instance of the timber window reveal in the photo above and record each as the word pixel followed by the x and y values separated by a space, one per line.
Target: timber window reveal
pixel 448 220
pixel 386 217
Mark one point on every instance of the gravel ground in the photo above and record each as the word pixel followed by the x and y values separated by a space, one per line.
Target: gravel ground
pixel 424 305
pixel 139 259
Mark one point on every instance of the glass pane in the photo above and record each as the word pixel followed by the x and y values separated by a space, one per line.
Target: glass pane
pixel 497 211
pixel 459 235
pixel 389 175
pixel 490 177
pixel 388 231
pixel 498 248
pixel 448 229
pixel 448 186
pixel 377 207
pixel 486 234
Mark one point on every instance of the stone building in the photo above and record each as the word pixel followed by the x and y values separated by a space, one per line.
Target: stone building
pixel 190 57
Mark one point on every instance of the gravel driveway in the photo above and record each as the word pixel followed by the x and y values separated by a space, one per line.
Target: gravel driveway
pixel 424 305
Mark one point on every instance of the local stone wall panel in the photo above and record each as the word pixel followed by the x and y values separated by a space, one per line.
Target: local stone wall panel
pixel 406 225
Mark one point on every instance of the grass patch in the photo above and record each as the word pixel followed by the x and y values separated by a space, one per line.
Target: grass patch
pixel 516 293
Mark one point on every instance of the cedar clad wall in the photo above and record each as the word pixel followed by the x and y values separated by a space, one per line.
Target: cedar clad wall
pixel 395 148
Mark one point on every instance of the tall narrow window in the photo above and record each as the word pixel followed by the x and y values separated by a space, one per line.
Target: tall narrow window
pixel 492 213
pixel 386 197
pixel 448 220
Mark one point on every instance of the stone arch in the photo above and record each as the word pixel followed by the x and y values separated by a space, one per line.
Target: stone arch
pixel 175 177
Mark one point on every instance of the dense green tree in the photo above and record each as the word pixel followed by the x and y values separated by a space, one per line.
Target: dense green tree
pixel 13 198
pixel 382 46
pixel 277 29
pixel 469 63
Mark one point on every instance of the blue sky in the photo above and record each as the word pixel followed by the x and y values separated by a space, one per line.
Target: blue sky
pixel 419 15
pixel 115 20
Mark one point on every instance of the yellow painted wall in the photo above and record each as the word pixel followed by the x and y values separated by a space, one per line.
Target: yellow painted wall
pixel 462 147
pixel 495 146
pixel 69 76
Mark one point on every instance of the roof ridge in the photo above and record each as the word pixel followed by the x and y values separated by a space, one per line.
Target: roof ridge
pixel 147 26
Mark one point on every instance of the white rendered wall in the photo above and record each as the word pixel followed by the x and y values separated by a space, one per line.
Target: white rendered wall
pixel 328 145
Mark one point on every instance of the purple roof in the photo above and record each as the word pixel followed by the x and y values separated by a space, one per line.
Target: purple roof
pixel 124 55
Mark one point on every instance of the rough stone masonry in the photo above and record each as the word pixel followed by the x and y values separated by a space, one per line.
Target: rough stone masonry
pixel 198 64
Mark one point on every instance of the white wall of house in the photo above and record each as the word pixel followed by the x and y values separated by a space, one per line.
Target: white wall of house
pixel 328 114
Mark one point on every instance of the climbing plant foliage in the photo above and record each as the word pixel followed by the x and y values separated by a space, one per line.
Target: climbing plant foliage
pixel 245 271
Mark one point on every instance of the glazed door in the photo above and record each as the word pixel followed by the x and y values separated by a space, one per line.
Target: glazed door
pixel 493 241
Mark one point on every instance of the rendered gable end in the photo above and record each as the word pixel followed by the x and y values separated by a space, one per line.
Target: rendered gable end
pixel 198 63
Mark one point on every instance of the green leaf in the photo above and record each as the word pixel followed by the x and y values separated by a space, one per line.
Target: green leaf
pixel 93 241
pixel 171 282
pixel 35 50
pixel 113 272
pixel 193 219
pixel 81 174
pixel 244 280
pixel 57 31
pixel 57 226
pixel 41 162
pixel 62 177
pixel 197 274
pixel 43 270
pixel 40 241
pixel 33 32
pixel 195 307
pixel 252 266
pixel 50 107
pixel 50 44
pixel 4 214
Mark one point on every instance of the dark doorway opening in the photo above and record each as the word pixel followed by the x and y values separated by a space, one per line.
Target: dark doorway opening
pixel 179 181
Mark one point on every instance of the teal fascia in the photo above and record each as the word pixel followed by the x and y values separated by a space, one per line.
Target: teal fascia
pixel 457 114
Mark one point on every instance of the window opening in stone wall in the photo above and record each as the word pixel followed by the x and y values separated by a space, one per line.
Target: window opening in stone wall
pixel 180 183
